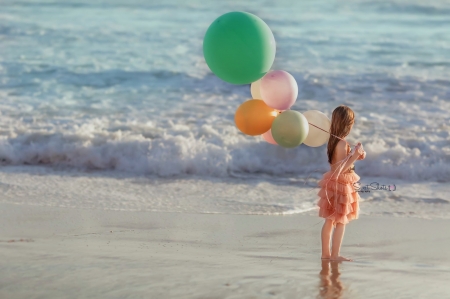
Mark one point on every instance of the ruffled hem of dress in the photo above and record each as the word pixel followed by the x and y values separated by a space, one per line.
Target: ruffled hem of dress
pixel 342 192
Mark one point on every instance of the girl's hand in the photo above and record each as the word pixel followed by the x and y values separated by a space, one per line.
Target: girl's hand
pixel 359 149
pixel 362 156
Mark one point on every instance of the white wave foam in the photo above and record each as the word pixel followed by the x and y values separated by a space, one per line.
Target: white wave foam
pixel 209 151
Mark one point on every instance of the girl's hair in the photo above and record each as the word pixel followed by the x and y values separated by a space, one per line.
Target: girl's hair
pixel 341 122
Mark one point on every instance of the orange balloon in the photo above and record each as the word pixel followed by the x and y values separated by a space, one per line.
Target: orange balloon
pixel 254 117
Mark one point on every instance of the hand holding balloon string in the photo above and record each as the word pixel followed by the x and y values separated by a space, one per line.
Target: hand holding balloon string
pixel 359 149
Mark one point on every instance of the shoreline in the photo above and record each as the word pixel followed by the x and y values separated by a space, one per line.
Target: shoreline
pixel 100 190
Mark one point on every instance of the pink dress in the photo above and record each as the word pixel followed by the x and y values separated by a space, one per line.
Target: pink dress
pixel 342 204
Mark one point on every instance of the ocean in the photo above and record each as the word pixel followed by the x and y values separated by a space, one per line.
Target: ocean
pixel 110 105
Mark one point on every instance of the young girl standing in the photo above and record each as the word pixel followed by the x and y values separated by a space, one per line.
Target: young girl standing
pixel 339 200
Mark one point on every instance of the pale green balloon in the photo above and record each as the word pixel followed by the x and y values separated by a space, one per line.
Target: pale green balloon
pixel 290 128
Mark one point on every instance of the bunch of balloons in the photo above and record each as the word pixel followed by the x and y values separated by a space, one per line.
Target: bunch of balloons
pixel 240 48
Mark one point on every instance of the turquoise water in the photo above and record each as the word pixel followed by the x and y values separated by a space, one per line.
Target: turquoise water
pixel 122 85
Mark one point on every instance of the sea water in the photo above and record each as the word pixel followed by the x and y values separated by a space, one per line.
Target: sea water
pixel 110 104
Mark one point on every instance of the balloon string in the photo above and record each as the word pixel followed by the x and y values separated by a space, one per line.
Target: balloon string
pixel 331 165
pixel 341 166
pixel 328 132
pixel 279 111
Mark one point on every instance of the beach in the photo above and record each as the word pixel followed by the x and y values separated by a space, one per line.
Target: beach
pixel 50 252
pixel 123 174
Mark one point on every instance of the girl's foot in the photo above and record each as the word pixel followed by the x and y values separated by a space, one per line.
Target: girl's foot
pixel 340 258
pixel 326 257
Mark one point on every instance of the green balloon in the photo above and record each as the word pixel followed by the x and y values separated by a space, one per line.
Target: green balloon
pixel 290 128
pixel 239 47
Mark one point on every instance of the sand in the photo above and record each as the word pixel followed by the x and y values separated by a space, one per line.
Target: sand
pixel 50 252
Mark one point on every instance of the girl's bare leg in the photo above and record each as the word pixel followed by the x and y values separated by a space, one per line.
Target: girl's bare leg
pixel 326 235
pixel 338 235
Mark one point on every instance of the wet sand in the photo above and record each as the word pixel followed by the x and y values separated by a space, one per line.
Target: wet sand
pixel 50 252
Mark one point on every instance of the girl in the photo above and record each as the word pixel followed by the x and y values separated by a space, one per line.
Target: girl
pixel 339 201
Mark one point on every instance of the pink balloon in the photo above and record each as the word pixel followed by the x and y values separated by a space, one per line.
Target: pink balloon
pixel 268 137
pixel 279 90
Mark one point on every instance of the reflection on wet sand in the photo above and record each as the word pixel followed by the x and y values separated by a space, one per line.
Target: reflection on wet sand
pixel 330 285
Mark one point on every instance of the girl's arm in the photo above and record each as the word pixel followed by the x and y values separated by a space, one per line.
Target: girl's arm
pixel 341 154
